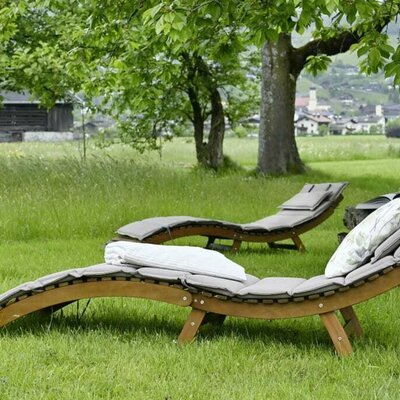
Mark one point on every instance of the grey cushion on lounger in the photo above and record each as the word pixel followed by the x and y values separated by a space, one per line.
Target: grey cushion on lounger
pixel 147 227
pixel 369 269
pixel 272 288
pixel 167 275
pixel 143 228
pixel 222 286
pixel 282 220
pixel 397 254
pixel 305 201
pixel 286 219
pixel 388 246
pixel 99 270
pixel 335 188
pixel 318 284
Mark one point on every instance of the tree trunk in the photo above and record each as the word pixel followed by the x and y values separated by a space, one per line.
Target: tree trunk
pixel 198 125
pixel 215 156
pixel 277 153
pixel 217 131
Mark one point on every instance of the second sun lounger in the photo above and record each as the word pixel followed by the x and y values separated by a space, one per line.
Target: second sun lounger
pixel 309 208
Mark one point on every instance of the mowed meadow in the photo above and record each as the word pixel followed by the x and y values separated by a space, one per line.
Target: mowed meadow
pixel 57 211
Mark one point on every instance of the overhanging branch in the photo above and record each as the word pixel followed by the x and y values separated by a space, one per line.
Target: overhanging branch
pixel 334 45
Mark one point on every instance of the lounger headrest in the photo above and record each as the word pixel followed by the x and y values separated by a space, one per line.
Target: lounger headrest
pixel 313 195
pixel 305 201
pixel 359 245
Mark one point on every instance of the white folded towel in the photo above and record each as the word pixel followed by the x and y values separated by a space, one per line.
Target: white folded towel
pixel 180 258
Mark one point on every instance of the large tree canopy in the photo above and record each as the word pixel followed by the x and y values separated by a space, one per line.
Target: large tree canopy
pixel 336 26
pixel 158 62
pixel 133 56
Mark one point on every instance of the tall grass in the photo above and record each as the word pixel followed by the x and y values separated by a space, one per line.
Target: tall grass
pixel 56 212
pixel 180 153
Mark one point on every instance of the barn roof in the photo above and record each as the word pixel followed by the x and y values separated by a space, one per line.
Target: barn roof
pixel 21 98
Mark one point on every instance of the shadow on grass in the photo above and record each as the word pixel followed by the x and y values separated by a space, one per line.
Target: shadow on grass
pixel 366 182
pixel 302 334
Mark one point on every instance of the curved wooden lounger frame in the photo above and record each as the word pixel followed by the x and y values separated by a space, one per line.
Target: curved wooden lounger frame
pixel 211 308
pixel 238 236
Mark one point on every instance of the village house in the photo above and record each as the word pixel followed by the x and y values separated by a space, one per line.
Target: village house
pixel 365 124
pixel 309 124
pixel 22 119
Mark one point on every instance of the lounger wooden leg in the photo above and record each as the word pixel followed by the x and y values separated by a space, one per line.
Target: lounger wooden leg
pixel 298 243
pixel 236 245
pixel 352 324
pixel 191 326
pixel 337 333
pixel 210 242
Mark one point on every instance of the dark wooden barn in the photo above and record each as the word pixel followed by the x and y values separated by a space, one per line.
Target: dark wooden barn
pixel 18 114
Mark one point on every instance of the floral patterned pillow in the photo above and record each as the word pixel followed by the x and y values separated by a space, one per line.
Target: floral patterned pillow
pixel 359 245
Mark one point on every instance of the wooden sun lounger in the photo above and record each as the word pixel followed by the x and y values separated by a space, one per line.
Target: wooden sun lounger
pixel 288 224
pixel 209 307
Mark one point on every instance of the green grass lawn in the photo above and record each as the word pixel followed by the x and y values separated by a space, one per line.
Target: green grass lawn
pixel 57 212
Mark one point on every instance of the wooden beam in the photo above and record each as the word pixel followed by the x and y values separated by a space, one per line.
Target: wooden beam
pixel 298 243
pixel 85 290
pixel 236 245
pixel 192 326
pixel 352 324
pixel 337 333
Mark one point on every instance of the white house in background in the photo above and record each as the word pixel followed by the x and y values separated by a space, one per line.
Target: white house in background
pixel 366 124
pixel 308 124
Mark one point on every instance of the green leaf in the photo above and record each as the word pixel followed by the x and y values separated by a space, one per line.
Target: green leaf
pixel 362 51
pixel 316 64
pixel 396 80
pixel 396 55
pixel 332 5
pixel 214 9
pixel 392 68
pixel 387 47
pixel 169 17
pixel 151 12
pixel 374 58
pixel 258 38
pixel 159 25
pixel 351 15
